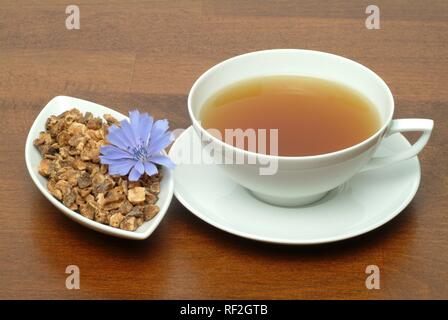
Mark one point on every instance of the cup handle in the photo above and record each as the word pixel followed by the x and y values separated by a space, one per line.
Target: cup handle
pixel 404 125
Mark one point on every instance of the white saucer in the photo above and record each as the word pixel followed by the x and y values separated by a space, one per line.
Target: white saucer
pixel 367 201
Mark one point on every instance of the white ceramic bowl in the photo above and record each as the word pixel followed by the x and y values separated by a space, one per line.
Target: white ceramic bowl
pixel 58 105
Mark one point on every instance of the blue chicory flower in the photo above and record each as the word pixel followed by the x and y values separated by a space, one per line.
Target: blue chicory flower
pixel 136 146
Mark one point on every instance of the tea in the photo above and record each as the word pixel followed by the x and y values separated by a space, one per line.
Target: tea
pixel 313 116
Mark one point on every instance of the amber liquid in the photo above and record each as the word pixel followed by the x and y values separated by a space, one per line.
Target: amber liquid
pixel 313 116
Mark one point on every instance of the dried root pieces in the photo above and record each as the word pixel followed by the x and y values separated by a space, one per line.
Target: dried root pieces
pixel 70 149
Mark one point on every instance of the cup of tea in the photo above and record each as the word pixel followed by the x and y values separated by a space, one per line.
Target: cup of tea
pixel 316 118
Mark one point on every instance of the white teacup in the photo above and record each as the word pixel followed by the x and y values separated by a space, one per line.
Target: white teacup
pixel 303 180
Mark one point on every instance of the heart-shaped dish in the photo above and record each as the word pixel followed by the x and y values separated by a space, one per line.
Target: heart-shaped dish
pixel 58 105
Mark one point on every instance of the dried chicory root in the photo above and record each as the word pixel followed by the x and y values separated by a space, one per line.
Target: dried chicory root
pixel 70 149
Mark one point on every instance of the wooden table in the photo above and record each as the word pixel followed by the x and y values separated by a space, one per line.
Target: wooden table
pixel 147 54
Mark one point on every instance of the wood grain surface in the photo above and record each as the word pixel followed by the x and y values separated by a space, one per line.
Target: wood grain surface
pixel 147 54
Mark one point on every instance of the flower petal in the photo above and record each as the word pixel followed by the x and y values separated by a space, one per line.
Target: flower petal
pixel 127 132
pixel 115 138
pixel 140 167
pixel 163 160
pixel 134 116
pixel 160 143
pixel 118 135
pixel 106 160
pixel 113 152
pixel 150 169
pixel 159 128
pixel 121 168
pixel 145 127
pixel 134 175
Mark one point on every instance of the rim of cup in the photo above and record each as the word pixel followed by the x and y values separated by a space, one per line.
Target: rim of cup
pixel 223 64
